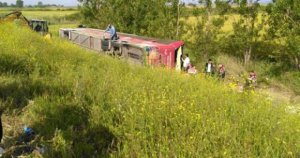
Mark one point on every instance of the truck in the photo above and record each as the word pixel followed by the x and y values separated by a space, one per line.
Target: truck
pixel 135 49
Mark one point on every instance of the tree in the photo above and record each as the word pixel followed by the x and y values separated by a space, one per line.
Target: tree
pixel 207 29
pixel 159 18
pixel 40 4
pixel 19 3
pixel 246 30
pixel 284 25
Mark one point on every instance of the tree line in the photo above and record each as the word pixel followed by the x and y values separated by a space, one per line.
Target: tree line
pixel 3 4
pixel 270 33
pixel 20 4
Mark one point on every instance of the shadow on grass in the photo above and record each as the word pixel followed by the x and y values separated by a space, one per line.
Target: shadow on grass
pixel 79 139
pixel 10 63
pixel 17 94
pixel 69 117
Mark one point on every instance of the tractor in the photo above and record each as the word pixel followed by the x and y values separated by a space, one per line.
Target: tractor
pixel 40 26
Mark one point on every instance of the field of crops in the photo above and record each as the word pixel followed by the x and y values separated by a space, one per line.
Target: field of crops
pixel 43 14
pixel 82 104
pixel 56 18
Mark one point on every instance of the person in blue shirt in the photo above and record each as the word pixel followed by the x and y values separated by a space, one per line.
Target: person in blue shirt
pixel 112 31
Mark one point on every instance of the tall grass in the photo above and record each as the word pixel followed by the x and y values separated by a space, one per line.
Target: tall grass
pixel 83 104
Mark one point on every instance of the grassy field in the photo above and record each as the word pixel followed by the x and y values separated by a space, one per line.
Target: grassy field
pixel 65 18
pixel 43 14
pixel 82 104
pixel 229 19
pixel 54 29
pixel 47 14
pixel 57 18
pixel 192 20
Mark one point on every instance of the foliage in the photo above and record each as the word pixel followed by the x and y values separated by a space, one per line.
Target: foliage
pixel 19 3
pixel 207 28
pixel 3 4
pixel 285 26
pixel 246 31
pixel 145 17
pixel 292 80
pixel 88 105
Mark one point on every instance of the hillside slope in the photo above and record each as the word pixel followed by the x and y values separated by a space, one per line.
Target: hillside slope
pixel 82 104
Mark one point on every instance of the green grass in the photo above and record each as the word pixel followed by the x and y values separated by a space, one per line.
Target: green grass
pixel 57 18
pixel 47 14
pixel 43 14
pixel 82 104
pixel 292 80
pixel 54 29
pixel 226 29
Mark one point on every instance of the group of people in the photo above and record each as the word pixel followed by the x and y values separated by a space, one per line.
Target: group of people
pixel 187 66
pixel 211 70
pixel 209 67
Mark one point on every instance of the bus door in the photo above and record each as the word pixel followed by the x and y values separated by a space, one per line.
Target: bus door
pixel 178 56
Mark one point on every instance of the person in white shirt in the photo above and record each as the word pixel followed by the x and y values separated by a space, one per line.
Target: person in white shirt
pixel 186 62
pixel 209 67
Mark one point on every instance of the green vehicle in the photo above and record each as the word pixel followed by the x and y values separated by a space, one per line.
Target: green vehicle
pixel 40 26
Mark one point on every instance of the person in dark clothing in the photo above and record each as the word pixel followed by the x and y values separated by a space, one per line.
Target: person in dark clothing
pixel 38 28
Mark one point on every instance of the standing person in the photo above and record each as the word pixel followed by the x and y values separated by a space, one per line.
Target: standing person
pixel 221 72
pixel 112 31
pixel 209 66
pixel 113 35
pixel 186 62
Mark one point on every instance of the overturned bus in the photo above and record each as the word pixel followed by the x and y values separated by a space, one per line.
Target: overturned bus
pixel 136 49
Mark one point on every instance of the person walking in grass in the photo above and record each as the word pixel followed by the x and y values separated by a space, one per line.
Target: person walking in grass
pixel 209 67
